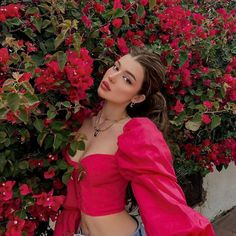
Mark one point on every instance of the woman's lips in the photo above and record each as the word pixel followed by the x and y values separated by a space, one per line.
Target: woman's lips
pixel 105 86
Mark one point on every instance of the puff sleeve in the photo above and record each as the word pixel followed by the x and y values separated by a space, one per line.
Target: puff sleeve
pixel 145 159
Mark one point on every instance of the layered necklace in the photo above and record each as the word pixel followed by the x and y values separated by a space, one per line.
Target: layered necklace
pixel 99 127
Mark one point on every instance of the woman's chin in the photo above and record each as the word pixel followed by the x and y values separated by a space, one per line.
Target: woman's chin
pixel 100 93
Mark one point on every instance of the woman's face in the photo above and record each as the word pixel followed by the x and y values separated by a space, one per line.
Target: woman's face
pixel 122 81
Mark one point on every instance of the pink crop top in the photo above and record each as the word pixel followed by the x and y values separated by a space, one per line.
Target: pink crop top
pixel 144 159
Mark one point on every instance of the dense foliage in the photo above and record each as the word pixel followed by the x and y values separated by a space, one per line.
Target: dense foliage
pixel 52 56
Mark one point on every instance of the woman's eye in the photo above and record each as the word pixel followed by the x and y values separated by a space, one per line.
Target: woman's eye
pixel 127 80
pixel 115 67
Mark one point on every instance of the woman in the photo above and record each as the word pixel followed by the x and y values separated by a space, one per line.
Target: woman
pixel 121 150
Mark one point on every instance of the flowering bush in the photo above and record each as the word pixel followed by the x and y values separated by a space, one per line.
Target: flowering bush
pixel 52 56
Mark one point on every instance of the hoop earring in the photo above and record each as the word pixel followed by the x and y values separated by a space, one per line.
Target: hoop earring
pixel 132 104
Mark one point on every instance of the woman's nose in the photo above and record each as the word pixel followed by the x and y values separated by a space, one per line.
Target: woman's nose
pixel 113 77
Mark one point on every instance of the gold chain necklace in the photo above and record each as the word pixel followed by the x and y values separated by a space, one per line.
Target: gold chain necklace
pixel 98 129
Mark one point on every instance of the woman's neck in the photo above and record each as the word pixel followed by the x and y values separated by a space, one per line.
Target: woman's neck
pixel 113 111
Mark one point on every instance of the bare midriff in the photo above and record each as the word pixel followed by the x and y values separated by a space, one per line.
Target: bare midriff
pixel 109 225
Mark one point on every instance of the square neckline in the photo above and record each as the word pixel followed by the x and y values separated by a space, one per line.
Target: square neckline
pixel 81 160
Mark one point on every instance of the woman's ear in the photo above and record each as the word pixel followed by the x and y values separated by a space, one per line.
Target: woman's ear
pixel 138 98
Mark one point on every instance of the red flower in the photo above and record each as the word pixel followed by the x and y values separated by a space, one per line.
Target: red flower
pixel 208 104
pixel 122 45
pixel 25 77
pixel 105 29
pixel 20 43
pixel 87 22
pixel 186 80
pixel 49 174
pixel 47 122
pixel 13 10
pixel 15 227
pixel 4 56
pixel 3 16
pixel 144 2
pixel 6 192
pixel 179 107
pixel 35 163
pixel 25 189
pixel 99 8
pixel 52 157
pixel 117 23
pixel 29 227
pixel 31 47
pixel 207 82
pixel 11 117
pixel 109 42
pixel 206 142
pixel 117 4
pixel 50 201
pixel 198 18
pixel 206 119
pixel 57 184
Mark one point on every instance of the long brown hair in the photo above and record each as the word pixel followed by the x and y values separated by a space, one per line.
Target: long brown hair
pixel 154 106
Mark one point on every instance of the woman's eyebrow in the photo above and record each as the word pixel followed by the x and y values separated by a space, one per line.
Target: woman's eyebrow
pixel 128 72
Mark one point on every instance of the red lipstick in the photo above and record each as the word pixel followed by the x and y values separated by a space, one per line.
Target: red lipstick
pixel 105 85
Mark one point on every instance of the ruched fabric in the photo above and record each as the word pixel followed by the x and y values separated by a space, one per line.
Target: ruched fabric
pixel 144 159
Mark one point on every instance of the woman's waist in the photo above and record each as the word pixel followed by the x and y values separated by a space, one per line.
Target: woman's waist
pixel 120 223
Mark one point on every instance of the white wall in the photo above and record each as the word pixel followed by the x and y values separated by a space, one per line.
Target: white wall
pixel 220 190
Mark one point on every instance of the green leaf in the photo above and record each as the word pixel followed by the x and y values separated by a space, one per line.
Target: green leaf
pixel 126 20
pixel 197 117
pixel 3 113
pixel 3 162
pixel 13 101
pixel 193 126
pixel 77 40
pixel 29 32
pixel 23 165
pixel 3 136
pixel 66 104
pixel 215 121
pixel 182 57
pixel 28 87
pixel 37 23
pixel 45 24
pixel 37 59
pixel 48 143
pixel 38 124
pixel 210 93
pixel 200 107
pixel 23 116
pixel 31 98
pixel 58 139
pixel 57 125
pixel 51 114
pixel 77 145
pixel 118 13
pixel 15 21
pixel 32 10
pixel 66 176
pixel 61 7
pixel 61 164
pixel 68 115
pixel 140 10
pixel 59 40
pixel 41 137
pixel 61 59
pixel 152 4
pixel 8 84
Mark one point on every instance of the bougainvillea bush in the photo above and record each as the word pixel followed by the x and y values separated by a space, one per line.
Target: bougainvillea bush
pixel 52 56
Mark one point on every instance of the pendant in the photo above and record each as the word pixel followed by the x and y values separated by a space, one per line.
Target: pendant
pixel 96 132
